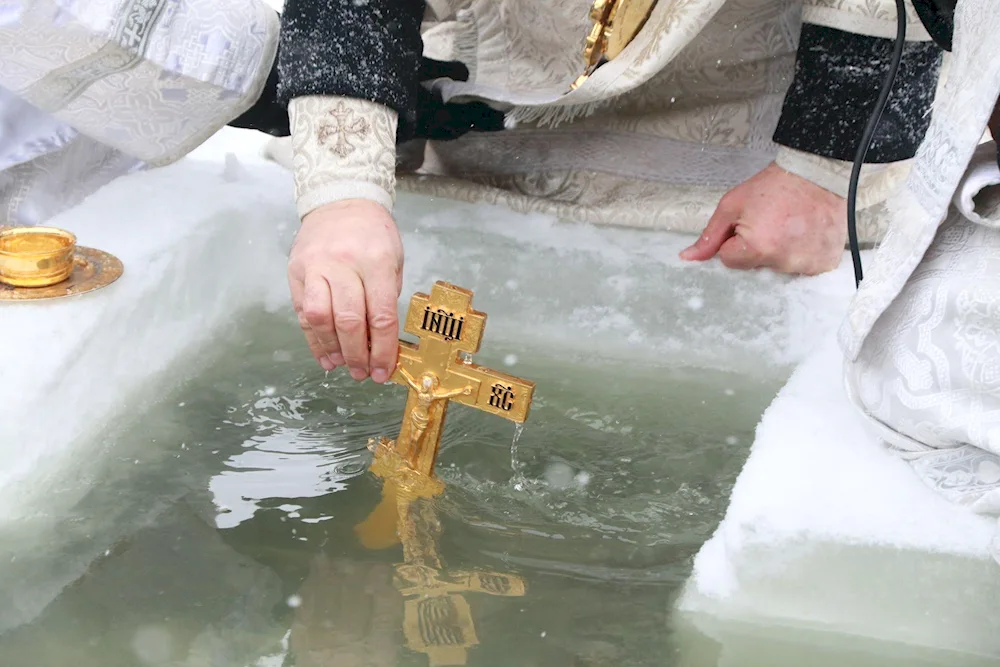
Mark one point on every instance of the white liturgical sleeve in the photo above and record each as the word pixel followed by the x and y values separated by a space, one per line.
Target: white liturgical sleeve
pixel 151 79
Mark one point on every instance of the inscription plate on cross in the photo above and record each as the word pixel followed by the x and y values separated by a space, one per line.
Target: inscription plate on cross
pixel 436 374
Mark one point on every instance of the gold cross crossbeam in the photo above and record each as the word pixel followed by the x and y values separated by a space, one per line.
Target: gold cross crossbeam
pixel 447 325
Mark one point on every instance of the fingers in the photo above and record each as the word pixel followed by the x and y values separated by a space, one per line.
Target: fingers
pixel 718 230
pixel 737 254
pixel 383 327
pixel 297 288
pixel 315 311
pixel 339 316
pixel 317 348
pixel 349 319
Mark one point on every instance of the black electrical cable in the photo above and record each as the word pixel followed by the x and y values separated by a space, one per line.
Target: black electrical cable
pixel 866 140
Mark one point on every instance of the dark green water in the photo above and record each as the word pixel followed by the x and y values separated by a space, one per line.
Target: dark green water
pixel 216 528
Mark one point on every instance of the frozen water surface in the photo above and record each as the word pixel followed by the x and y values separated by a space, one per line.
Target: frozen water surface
pixel 180 482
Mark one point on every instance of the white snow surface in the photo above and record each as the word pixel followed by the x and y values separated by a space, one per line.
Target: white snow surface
pixel 200 242
pixel 827 530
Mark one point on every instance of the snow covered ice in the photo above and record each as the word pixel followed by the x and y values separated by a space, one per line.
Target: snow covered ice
pixel 828 531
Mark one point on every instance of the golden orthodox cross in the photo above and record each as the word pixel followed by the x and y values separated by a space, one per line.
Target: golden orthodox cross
pixel 437 618
pixel 435 374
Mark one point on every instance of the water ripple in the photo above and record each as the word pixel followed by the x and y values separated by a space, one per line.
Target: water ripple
pixel 626 492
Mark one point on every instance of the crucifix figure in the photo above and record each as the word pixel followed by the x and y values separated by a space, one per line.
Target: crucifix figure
pixel 428 390
pixel 435 375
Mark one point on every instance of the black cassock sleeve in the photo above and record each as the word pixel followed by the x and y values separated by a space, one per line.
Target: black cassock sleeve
pixel 837 80
pixel 365 49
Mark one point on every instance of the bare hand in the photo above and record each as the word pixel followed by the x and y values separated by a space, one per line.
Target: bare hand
pixel 345 275
pixel 776 220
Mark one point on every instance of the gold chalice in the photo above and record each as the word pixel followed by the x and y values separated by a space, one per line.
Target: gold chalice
pixel 39 263
pixel 36 256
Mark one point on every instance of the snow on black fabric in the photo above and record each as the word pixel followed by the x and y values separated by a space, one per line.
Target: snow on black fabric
pixel 365 49
pixel 838 76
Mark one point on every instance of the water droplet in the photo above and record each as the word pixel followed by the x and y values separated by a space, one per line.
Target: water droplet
pixel 510 360
pixel 294 602
pixel 352 468
pixel 153 645
pixel 269 391
pixel 516 466
pixel 695 303
pixel 732 440
pixel 559 476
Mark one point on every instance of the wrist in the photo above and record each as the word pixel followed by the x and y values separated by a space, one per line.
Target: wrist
pixel 340 194
pixel 877 182
pixel 832 175
pixel 342 206
pixel 348 212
